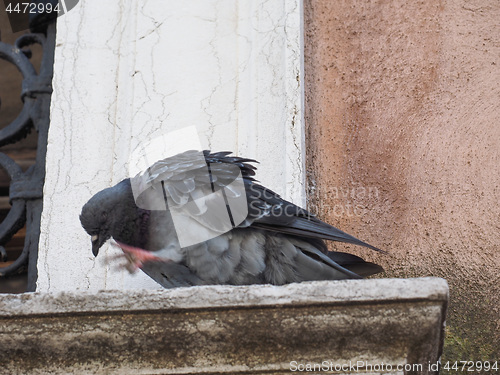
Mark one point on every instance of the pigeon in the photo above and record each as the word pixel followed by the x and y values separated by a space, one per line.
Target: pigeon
pixel 201 218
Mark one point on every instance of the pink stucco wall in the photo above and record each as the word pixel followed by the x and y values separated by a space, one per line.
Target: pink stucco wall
pixel 403 132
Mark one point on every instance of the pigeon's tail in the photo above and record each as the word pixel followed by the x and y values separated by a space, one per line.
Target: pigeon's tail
pixel 317 266
pixel 319 229
pixel 314 228
pixel 314 264
pixel 355 264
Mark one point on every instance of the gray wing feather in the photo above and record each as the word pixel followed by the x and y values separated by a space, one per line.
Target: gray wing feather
pixel 354 263
pixel 309 269
pixel 170 274
pixel 315 255
pixel 267 210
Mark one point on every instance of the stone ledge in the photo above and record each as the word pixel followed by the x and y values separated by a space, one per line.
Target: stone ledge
pixel 225 329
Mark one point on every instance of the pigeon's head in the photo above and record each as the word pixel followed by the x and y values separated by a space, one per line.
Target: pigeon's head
pixel 95 221
pixel 97 214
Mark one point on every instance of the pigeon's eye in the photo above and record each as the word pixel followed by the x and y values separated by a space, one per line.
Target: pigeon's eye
pixel 94 238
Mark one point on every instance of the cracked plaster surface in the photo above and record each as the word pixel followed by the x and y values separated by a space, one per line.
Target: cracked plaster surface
pixel 232 69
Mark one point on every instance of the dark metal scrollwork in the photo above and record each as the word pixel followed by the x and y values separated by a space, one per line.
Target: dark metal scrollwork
pixel 26 188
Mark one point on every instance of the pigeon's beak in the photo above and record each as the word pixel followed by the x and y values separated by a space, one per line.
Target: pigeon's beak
pixel 95 244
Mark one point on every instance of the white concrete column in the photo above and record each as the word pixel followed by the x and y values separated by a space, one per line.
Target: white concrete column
pixel 129 71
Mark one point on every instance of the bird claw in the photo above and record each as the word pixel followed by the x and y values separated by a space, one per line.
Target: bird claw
pixel 135 256
pixel 129 265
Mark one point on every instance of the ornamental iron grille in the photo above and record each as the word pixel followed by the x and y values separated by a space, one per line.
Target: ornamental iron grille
pixel 26 188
